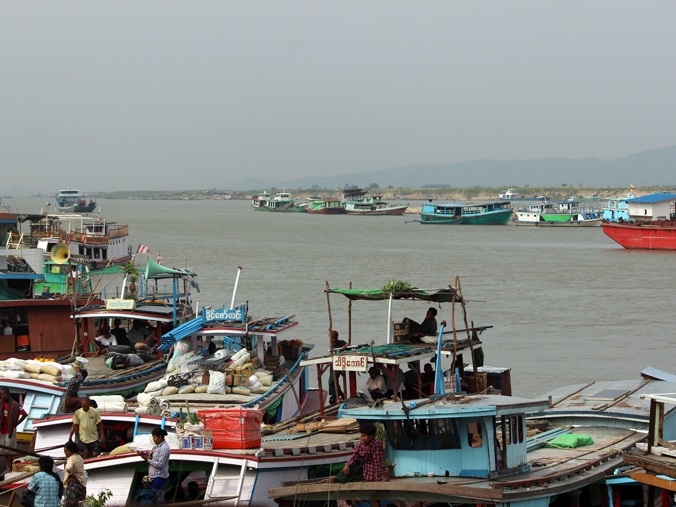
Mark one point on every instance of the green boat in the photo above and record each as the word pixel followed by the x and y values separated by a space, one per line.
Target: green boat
pixel 281 202
pixel 491 213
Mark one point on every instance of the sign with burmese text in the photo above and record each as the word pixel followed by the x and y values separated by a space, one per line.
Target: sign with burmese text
pixel 120 304
pixel 224 314
pixel 349 363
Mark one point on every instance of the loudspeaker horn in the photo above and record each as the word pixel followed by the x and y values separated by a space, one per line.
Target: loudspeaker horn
pixel 153 269
pixel 60 253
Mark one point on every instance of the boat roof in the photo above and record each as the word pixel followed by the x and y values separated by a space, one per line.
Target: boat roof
pixel 142 312
pixel 467 204
pixel 448 406
pixel 433 295
pixel 623 398
pixel 383 354
pixel 657 197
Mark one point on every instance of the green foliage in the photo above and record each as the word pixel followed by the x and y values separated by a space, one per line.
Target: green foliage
pixel 381 434
pixel 387 462
pixel 100 500
pixel 190 417
pixel 396 286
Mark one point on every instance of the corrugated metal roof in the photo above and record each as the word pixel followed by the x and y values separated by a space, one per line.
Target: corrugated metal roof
pixel 583 401
pixel 652 198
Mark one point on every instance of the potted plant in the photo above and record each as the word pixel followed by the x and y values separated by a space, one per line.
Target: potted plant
pixel 381 436
pixel 132 276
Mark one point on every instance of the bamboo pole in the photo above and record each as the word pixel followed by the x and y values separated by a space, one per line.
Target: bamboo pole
pixel 469 337
pixel 455 337
pixel 336 387
pixel 349 319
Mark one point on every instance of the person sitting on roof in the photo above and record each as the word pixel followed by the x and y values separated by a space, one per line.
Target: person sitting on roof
pixel 428 327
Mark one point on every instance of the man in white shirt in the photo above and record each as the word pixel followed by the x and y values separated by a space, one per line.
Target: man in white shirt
pixel 376 383
pixel 104 341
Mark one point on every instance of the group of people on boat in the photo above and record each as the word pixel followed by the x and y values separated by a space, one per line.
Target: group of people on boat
pixel 142 338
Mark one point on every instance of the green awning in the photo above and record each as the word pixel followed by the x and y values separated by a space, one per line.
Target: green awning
pixel 9 294
pixel 433 295
pixel 382 349
pixel 112 270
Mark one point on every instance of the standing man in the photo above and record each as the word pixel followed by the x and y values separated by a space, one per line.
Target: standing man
pixel 12 415
pixel 87 422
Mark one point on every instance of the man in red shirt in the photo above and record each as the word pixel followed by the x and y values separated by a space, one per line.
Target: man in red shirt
pixel 12 415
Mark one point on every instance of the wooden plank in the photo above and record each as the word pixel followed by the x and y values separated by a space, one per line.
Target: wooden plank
pixel 651 464
pixel 652 480
pixel 574 392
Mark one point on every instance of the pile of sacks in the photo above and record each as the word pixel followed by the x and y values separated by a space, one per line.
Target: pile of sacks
pixel 49 371
pixel 189 373
pixel 110 404
pixel 150 405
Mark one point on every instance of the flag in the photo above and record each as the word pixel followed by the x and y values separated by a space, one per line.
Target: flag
pixel 143 249
pixel 159 257
pixel 632 186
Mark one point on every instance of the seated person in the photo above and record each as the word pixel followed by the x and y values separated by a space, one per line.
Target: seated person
pixel 103 342
pixel 210 350
pixel 119 333
pixel 45 292
pixel 337 344
pixel 401 387
pixel 427 380
pixel 411 380
pixel 376 383
pixel 137 335
pixel 428 327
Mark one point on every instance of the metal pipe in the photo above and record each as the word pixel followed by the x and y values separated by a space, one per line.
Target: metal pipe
pixel 234 291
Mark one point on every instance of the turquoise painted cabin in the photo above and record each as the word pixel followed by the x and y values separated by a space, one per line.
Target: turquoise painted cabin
pixel 455 437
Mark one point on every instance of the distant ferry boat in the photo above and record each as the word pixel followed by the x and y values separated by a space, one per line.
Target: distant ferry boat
pixel 73 201
pixel 513 195
pixel 558 214
pixel 281 202
pixel 356 202
pixel 492 213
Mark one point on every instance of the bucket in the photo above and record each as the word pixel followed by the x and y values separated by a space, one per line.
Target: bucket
pixel 23 343
pixel 81 362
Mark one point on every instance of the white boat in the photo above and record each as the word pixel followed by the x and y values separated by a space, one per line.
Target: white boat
pixel 73 201
pixel 513 195
pixel 558 214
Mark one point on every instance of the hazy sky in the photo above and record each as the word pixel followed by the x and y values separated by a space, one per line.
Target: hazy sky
pixel 201 94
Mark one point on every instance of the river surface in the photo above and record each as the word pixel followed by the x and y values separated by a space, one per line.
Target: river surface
pixel 568 306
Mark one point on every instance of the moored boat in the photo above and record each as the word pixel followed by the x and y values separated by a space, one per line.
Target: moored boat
pixel 329 206
pixel 72 201
pixel 357 202
pixel 651 224
pixel 617 208
pixel 513 195
pixel 281 202
pixel 490 213
pixel 558 214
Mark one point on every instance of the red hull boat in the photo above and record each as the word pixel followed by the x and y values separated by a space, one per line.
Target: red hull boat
pixel 655 235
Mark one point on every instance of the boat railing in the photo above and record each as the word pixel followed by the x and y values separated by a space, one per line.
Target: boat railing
pixel 286 378
pixel 117 231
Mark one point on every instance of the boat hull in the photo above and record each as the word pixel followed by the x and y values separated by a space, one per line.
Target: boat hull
pixel 643 237
pixel 327 211
pixel 290 209
pixel 394 210
pixel 595 222
pixel 492 218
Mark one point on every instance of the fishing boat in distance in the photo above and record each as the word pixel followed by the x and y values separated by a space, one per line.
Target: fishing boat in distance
pixel 513 195
pixel 328 206
pixel 73 201
pixel 281 202
pixel 558 214
pixel 490 213
pixel 651 224
pixel 357 202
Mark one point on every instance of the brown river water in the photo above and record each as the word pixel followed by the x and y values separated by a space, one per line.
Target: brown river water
pixel 568 306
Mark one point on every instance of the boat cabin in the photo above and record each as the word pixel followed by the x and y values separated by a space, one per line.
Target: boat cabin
pixel 455 436
pixel 655 207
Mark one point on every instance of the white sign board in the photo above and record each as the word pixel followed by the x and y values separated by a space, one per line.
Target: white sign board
pixel 350 363
pixel 120 304
pixel 449 384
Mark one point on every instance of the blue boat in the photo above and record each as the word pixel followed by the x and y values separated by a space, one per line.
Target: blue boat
pixel 489 213
pixel 617 208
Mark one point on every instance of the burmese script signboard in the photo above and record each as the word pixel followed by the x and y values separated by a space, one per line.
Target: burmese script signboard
pixel 345 362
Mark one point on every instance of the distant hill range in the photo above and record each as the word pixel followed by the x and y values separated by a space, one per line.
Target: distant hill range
pixel 652 167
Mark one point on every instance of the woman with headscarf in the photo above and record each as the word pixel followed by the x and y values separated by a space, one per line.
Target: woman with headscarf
pixel 158 459
pixel 46 484
pixel 74 478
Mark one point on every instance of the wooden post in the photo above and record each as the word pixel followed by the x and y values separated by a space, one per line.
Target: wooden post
pixel 349 319
pixel 333 372
pixel 455 337
pixel 469 336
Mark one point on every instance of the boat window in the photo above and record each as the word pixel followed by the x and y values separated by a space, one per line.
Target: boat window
pixel 474 436
pixel 423 434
